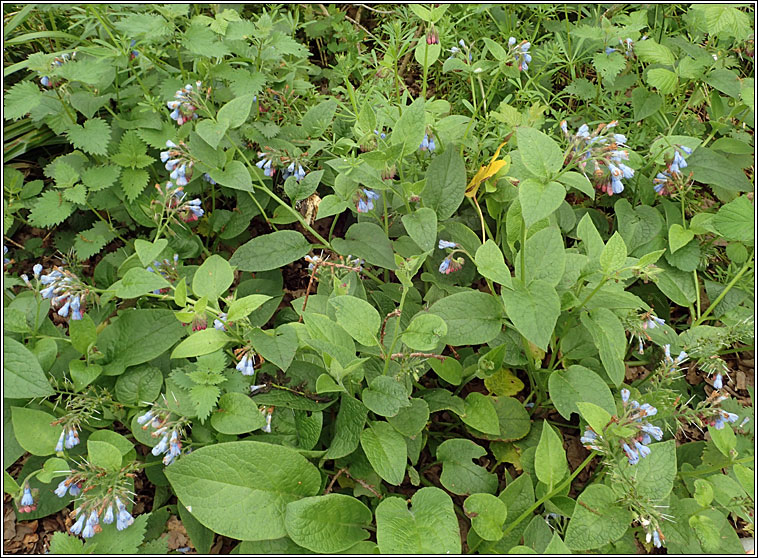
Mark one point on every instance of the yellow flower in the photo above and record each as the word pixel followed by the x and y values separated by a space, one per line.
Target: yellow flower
pixel 486 172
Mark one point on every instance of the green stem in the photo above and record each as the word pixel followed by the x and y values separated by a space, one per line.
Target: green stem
pixel 394 335
pixel 550 494
pixel 589 296
pixel 701 472
pixel 723 293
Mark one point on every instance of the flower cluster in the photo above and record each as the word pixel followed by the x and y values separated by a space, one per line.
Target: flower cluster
pixel 520 53
pixel 71 292
pixel 185 103
pixel 450 264
pixel 68 438
pixel 455 50
pixel 166 269
pixel 47 81
pixel 265 163
pixel 294 169
pixel 427 144
pixel 87 524
pixel 604 149
pixel 380 134
pixel 170 431
pixel 668 181
pixel 432 37
pixel 366 199
pixel 26 504
pixel 246 363
pixel 220 322
pixel 174 200
pixel 133 54
pixel 627 45
pixel 178 162
pixel 646 322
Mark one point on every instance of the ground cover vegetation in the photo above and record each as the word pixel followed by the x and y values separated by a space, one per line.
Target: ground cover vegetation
pixel 379 278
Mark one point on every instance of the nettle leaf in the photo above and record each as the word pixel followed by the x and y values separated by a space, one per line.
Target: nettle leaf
pixel 663 80
pixel 51 209
pixel 132 152
pixel 597 519
pixel 234 489
pixel 21 99
pixel 327 524
pixel 90 242
pixel 386 451
pixel 429 527
pixel 133 182
pixel 93 137
pixel 459 474
pixel 100 177
pixel 609 65
pixel 76 194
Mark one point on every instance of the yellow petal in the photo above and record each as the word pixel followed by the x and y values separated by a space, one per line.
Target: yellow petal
pixel 485 173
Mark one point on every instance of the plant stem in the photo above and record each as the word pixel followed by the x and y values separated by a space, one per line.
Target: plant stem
pixel 397 328
pixel 723 293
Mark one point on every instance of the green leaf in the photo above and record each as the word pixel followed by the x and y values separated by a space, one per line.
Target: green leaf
pixel 103 454
pixel 76 194
pixel 576 384
pixel 133 182
pixel 327 524
pixel 421 226
pixel 201 343
pixel 212 132
pixel 212 278
pixel 235 112
pixel 533 310
pixel 21 99
pixel 50 210
pixel 271 251
pixel 578 181
pixel 609 337
pixel 724 439
pixel 449 370
pixel 242 307
pixel 425 332
pixel 93 137
pixel 597 417
pixel 410 421
pixel 300 190
pixel 445 182
pixel 591 239
pixel 429 527
pixel 235 490
pixel 677 285
pixel 679 237
pixel 358 318
pixel 83 374
pixel 550 460
pixel 472 317
pixel 734 220
pixel 90 242
pixel 557 546
pixel 63 543
pixel 609 65
pixel 235 175
pixel 386 451
pixel 140 383
pixel 369 242
pixel 545 257
pixel 459 474
pixel 614 254
pixel 83 333
pixel 277 346
pixel 491 263
pixel 541 155
pixel 385 396
pixel 650 51
pixel 201 537
pixel 726 81
pixel 410 127
pixel 426 54
pixel 237 414
pixel 480 413
pixel 663 80
pixel 645 103
pixel 205 398
pixel 23 377
pixel 653 476
pixel 119 542
pixel 34 431
pixel 597 519
pixel 347 428
pixel 87 103
pixel 148 252
pixel 487 514
pixel 539 199
pixel 513 420
pixel 137 282
pixel 319 117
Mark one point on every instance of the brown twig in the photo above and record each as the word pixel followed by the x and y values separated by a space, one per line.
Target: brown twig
pixel 334 479
pixel 365 485
pixel 407 57
pixel 419 355
pixel 308 290
pixel 384 323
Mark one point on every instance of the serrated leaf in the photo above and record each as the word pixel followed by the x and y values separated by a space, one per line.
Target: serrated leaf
pixel 93 137
pixel 132 152
pixel 133 182
pixel 609 65
pixel 100 177
pixel 90 242
pixel 663 80
pixel 76 194
pixel 21 99
pixel 50 209
pixel 204 397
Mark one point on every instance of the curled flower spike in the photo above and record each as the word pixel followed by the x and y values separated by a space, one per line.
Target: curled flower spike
pixel 450 265
pixel 185 103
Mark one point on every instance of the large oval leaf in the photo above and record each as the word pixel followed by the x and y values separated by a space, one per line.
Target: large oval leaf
pixel 327 524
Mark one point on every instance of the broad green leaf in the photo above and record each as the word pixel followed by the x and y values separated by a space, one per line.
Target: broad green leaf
pixel 445 183
pixel 514 422
pixel 480 414
pixel 663 80
pixel 613 255
pixel 270 251
pixel 550 460
pixel 148 252
pixel 472 317
pixel 138 384
pixel 234 175
pixel 597 417
pixel 590 237
pixel 410 127
pixel 487 514
pixel 710 167
pixel 597 519
pixel 724 439
pixel 212 278
pixel 425 332
pixel 734 220
pixel 459 474
pixel 103 454
pixel 541 155
pixel 211 132
pixel 137 282
pixel 327 524
pixel 576 384
pixel 369 242
pixel 653 476
pixel 277 346
pixel 679 237
pixel 23 377
pixel 347 427
pixel 503 382
pixel 241 489
pixel 578 181
pixel 421 226
pixel 429 527
pixel 533 310
pixel 319 117
pixel 236 111
pixel 358 317
pixel 491 263
pixel 237 414
pixel 539 199
pixel 297 191
pixel 449 370
pixel 83 374
pixel 34 430
pixel 242 307
pixel 411 420
pixel 609 337
pixel 386 451
pixel 545 257
pixel 385 396
pixel 201 343
pixel 426 54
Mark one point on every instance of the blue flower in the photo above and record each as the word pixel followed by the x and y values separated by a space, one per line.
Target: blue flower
pixel 60 492
pixel 718 382
pixel 445 266
pixel 59 445
pixel 76 528
pixel 93 518
pixel 654 431
pixel 37 269
pixel 644 451
pixel 589 437
pixel 89 531
pixel 161 447
pixel 74 489
pixel 108 517
pixel 218 324
pixel 27 499
pixel 631 454
pixel 609 50
pixel 729 417
pixel 625 395
pixel 687 150
pixel 446 244
pixel 656 539
pixel 370 194
pixel 145 418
